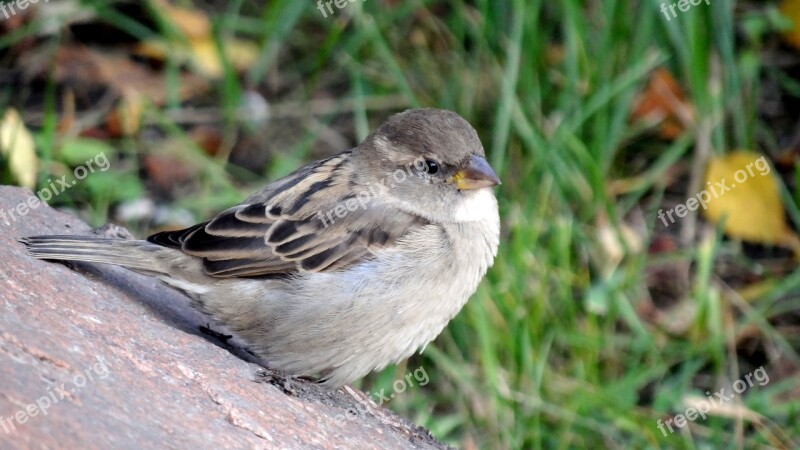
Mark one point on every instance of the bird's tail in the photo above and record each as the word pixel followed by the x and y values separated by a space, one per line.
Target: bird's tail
pixel 141 256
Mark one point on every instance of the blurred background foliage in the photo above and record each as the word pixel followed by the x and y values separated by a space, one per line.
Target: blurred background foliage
pixel 598 318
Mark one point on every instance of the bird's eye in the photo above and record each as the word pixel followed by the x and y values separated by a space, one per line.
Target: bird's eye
pixel 432 166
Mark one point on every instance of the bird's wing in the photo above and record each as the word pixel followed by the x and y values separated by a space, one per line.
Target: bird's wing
pixel 299 223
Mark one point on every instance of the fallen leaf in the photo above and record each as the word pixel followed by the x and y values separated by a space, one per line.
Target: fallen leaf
pixel 740 186
pixel 664 102
pixel 126 118
pixel 205 58
pixel 131 79
pixel 614 243
pixel 791 9
pixel 241 54
pixel 85 69
pixel 199 48
pixel 193 24
pixel 208 138
pixel 17 147
pixel 165 172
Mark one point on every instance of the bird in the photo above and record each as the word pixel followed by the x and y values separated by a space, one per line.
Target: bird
pixel 342 267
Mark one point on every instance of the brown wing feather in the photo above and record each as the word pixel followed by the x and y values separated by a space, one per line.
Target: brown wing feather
pixel 279 231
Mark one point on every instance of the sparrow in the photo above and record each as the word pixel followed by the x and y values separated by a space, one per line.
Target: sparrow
pixel 344 266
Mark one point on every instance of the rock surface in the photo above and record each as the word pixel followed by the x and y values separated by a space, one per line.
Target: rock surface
pixel 100 357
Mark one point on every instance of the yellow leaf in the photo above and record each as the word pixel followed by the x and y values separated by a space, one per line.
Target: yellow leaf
pixel 791 9
pixel 155 50
pixel 740 186
pixel 205 57
pixel 242 54
pixel 201 52
pixel 193 24
pixel 16 145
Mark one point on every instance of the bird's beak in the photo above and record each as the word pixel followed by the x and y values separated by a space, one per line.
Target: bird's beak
pixel 478 174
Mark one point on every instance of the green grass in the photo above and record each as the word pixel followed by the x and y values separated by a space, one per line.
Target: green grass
pixel 550 352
